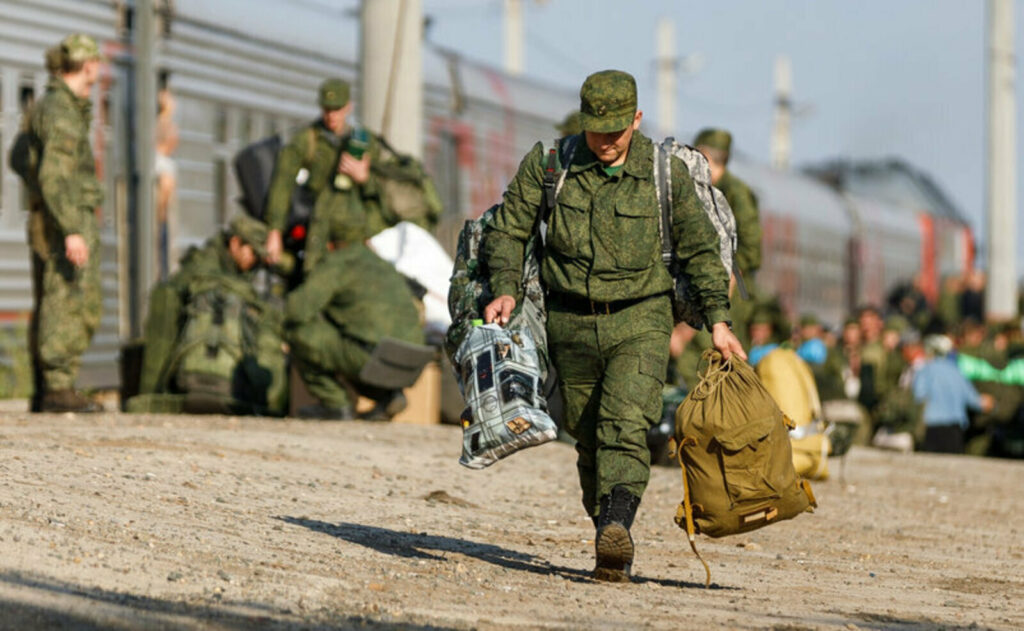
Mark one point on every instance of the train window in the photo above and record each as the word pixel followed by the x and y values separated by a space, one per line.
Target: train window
pixel 220 190
pixel 221 126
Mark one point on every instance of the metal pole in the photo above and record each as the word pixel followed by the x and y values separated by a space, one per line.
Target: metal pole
pixel 781 140
pixel 666 63
pixel 514 37
pixel 1001 292
pixel 143 139
pixel 391 78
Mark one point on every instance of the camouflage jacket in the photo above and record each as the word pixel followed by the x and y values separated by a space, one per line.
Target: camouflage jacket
pixel 347 215
pixel 603 237
pixel 748 222
pixel 65 186
pixel 361 294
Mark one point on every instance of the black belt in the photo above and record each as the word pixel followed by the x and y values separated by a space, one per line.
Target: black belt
pixel 585 306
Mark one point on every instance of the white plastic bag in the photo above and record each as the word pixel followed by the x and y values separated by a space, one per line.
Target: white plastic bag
pixel 500 380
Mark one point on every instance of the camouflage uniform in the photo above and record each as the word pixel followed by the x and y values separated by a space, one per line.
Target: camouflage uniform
pixel 64 193
pixel 169 299
pixel 346 305
pixel 347 214
pixel 609 314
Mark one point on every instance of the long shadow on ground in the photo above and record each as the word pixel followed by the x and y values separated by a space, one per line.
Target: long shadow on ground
pixel 32 601
pixel 435 547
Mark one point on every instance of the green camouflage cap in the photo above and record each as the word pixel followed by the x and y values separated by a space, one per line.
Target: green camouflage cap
pixel 79 47
pixel 607 101
pixel 334 93
pixel 762 316
pixel 251 231
pixel 714 138
pixel 571 125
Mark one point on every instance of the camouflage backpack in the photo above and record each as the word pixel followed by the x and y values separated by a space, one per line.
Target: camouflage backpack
pixel 685 306
pixel 470 291
pixel 229 352
pixel 24 157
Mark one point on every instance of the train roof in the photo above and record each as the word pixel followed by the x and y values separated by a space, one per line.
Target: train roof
pixel 792 194
pixel 891 180
pixel 329 37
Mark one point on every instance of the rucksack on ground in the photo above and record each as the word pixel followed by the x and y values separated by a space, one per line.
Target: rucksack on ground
pixel 732 443
pixel 408 192
pixel 228 358
pixel 790 382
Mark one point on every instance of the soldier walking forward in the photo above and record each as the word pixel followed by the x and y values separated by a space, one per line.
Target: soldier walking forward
pixel 609 310
pixel 63 235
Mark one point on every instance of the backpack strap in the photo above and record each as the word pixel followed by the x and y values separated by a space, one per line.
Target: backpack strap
pixel 684 513
pixel 556 167
pixel 663 183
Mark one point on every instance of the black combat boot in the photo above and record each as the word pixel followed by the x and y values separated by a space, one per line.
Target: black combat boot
pixel 613 544
pixel 67 401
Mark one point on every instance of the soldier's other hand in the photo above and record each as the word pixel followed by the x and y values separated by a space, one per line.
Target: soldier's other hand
pixel 358 170
pixel 499 310
pixel 723 339
pixel 76 250
pixel 274 246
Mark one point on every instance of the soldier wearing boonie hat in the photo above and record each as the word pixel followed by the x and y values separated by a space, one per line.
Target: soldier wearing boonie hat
pixel 334 162
pixel 609 314
pixel 63 193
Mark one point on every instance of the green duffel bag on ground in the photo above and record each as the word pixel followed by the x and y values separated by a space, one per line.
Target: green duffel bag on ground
pixel 732 443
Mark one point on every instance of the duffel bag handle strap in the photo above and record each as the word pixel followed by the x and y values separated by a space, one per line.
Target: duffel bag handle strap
pixel 684 514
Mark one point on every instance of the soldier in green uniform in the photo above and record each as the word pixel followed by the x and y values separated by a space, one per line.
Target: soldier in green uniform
pixel 63 235
pixel 229 259
pixel 347 304
pixel 609 312
pixel 334 162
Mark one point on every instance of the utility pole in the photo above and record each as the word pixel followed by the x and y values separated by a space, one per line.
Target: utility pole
pixel 391 72
pixel 781 140
pixel 1001 293
pixel 144 154
pixel 666 71
pixel 514 37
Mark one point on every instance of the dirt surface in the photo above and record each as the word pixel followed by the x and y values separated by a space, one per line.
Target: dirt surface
pixel 159 522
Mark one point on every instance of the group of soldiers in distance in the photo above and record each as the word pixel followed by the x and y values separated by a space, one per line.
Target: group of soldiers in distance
pixel 611 336
pixel 329 324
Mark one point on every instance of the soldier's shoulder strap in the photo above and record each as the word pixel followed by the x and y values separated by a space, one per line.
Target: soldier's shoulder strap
pixel 663 184
pixel 560 155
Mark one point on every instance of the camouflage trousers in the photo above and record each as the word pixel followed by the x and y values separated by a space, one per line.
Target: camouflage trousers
pixel 66 313
pixel 611 368
pixel 322 355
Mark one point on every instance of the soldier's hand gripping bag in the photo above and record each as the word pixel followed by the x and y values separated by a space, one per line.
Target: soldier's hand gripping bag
pixel 502 384
pixel 733 446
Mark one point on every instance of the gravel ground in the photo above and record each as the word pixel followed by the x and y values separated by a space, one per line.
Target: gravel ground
pixel 161 522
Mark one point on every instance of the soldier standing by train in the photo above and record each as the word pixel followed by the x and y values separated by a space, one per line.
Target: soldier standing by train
pixel 63 235
pixel 609 310
pixel 336 159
